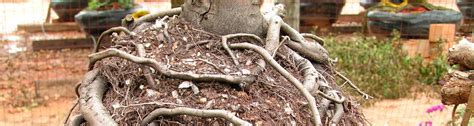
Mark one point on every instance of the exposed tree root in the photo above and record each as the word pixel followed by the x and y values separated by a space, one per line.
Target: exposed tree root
pixel 313 51
pixel 197 44
pixel 115 29
pixel 338 109
pixel 310 74
pixel 273 35
pixel 268 58
pixel 153 16
pixel 162 69
pixel 147 71
pixel 92 91
pixel 338 101
pixel 303 59
pixel 226 47
pixel 194 112
pixel 314 37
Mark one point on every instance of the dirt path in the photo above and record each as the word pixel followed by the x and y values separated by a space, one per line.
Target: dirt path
pixel 407 112
pixel 52 113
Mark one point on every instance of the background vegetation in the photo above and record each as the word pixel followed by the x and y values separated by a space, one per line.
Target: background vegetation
pixel 381 67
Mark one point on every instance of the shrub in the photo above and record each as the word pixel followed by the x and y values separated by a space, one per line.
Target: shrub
pixel 380 67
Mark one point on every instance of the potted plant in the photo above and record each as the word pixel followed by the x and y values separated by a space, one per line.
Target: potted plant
pixel 411 17
pixel 66 9
pixel 101 15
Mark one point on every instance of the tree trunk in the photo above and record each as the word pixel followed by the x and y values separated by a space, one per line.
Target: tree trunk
pixel 292 13
pixel 226 16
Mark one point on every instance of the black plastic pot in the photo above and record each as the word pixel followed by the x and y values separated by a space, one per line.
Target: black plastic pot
pixel 410 25
pixel 66 9
pixel 95 22
pixel 369 3
pixel 467 8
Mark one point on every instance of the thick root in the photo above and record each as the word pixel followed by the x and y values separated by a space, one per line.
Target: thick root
pixel 92 91
pixel 194 112
pixel 313 51
pixel 273 34
pixel 338 109
pixel 310 74
pixel 226 46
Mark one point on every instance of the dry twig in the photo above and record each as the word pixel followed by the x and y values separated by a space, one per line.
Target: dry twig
pixel 314 37
pixel 114 29
pixel 147 72
pixel 364 95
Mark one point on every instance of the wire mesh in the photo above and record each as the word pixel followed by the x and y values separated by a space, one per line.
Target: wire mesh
pixel 36 87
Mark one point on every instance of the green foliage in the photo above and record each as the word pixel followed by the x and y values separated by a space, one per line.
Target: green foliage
pixel 380 67
pixel 108 4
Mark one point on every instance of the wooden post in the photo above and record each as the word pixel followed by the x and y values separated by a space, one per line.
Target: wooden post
pixel 292 12
pixel 441 37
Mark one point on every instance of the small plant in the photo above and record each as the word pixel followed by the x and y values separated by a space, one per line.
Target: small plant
pixel 110 4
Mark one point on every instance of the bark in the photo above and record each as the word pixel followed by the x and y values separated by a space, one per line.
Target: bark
pixel 226 16
pixel 463 55
pixel 456 87
pixel 92 91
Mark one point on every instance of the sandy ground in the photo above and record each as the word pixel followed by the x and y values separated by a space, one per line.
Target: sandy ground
pixel 407 112
pixel 52 113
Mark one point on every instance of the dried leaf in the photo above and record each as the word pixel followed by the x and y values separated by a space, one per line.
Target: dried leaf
pixel 185 84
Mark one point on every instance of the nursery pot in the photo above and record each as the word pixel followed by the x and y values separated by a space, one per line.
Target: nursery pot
pixel 66 9
pixel 95 22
